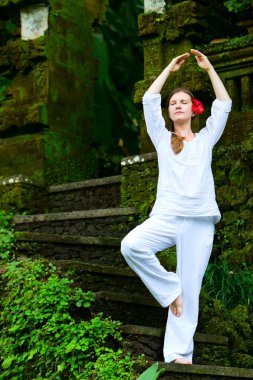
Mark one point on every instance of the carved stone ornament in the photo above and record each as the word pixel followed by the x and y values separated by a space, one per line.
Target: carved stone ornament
pixel 34 21
pixel 154 6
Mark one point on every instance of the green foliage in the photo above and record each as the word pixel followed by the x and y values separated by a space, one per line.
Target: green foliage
pixel 7 237
pixel 232 287
pixel 151 373
pixel 237 42
pixel 118 50
pixel 116 365
pixel 40 338
pixel 237 5
pixel 10 26
pixel 4 82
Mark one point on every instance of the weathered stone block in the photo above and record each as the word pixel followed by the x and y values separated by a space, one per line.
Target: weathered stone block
pixel 23 155
pixel 20 194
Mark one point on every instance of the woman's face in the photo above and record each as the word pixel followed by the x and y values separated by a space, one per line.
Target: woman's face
pixel 180 107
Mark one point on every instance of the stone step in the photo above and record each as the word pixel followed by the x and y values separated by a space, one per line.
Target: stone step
pixel 114 222
pixel 95 250
pixel 97 193
pixel 149 341
pixel 131 309
pixel 203 372
pixel 97 278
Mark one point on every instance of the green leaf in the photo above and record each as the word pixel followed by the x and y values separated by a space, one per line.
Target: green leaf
pixel 8 361
pixel 151 373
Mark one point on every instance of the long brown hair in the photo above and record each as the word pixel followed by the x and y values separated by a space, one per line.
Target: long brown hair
pixel 176 141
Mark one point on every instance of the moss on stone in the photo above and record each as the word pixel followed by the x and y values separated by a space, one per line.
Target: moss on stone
pixel 70 109
pixel 198 23
pixel 22 197
pixel 236 324
pixel 230 44
pixel 23 55
pixel 23 155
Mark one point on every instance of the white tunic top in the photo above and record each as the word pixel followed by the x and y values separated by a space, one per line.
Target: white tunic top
pixel 185 184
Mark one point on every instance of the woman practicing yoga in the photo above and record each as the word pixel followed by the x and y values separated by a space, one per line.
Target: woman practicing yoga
pixel 185 210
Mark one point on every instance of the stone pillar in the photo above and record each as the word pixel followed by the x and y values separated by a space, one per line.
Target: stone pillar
pixel 47 75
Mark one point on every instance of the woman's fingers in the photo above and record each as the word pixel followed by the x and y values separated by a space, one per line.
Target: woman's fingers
pixel 197 53
pixel 177 62
pixel 201 59
pixel 183 57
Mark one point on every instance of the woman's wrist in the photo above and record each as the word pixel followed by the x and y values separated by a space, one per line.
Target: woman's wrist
pixel 168 69
pixel 210 69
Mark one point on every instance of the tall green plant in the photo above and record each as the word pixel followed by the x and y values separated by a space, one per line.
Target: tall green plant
pixel 232 287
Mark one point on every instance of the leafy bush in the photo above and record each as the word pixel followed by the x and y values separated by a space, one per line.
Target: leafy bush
pixel 40 338
pixel 7 238
pixel 114 366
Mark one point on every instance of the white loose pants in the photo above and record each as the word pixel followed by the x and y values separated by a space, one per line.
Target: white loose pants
pixel 193 237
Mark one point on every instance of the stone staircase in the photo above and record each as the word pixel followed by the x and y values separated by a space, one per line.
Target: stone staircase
pixel 81 230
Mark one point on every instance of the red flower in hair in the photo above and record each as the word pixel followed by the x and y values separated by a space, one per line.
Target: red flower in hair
pixel 197 106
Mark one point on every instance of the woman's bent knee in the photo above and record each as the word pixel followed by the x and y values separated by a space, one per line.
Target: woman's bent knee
pixel 126 247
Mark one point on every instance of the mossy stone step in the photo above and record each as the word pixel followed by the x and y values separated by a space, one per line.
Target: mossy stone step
pixel 93 249
pixel 203 372
pixel 68 239
pixel 218 340
pixel 97 193
pixel 131 309
pixel 102 278
pixel 149 341
pixel 105 222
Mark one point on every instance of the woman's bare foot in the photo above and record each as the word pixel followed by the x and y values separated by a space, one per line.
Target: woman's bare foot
pixel 182 361
pixel 176 306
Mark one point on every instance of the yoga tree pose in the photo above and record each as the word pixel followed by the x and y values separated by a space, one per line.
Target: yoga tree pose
pixel 185 211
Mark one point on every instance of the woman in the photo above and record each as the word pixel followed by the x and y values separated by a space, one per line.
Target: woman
pixel 185 210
